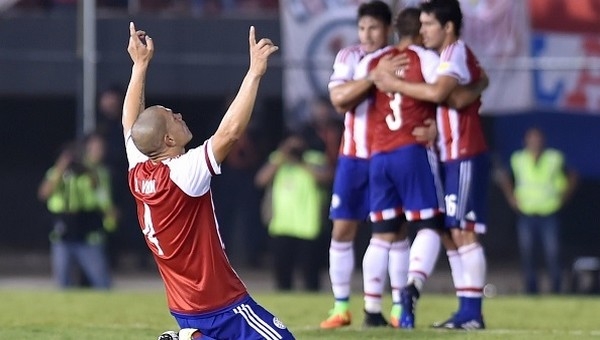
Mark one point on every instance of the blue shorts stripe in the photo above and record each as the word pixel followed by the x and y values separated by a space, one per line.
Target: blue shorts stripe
pixel 243 319
pixel 256 322
pixel 465 183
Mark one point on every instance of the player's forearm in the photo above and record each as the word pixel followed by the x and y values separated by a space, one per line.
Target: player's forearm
pixel 347 96
pixel 236 118
pixel 464 95
pixel 135 101
pixel 420 91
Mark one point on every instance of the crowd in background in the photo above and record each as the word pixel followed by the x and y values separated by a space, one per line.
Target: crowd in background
pixel 166 7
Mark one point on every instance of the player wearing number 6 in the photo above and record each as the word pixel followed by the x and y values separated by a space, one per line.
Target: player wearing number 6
pixel 463 151
pixel 404 179
pixel 171 187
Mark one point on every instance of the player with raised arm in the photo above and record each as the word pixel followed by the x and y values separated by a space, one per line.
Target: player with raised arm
pixel 171 187
pixel 350 200
pixel 463 151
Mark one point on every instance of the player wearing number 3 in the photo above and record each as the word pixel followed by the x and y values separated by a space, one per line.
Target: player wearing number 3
pixel 463 151
pixel 404 177
pixel 171 187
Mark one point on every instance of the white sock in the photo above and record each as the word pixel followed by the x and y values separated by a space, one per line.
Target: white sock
pixel 474 269
pixel 398 267
pixel 375 262
pixel 341 264
pixel 423 255
pixel 457 270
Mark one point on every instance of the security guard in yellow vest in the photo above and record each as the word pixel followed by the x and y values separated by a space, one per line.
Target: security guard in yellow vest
pixel 296 176
pixel 541 186
pixel 77 193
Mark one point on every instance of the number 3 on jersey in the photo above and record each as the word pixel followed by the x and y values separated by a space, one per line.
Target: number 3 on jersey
pixel 149 229
pixel 394 120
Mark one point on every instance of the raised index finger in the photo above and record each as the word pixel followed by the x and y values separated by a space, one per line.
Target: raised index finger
pixel 131 28
pixel 252 36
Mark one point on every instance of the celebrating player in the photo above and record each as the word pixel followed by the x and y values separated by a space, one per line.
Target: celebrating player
pixel 171 187
pixel 463 151
pixel 350 199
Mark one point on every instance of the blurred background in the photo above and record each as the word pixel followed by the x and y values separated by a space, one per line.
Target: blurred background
pixel 60 58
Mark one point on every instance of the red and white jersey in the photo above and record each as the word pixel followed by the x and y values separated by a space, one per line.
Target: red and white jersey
pixel 176 213
pixel 460 132
pixel 395 115
pixel 357 136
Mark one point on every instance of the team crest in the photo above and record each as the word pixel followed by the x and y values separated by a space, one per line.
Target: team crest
pixel 278 323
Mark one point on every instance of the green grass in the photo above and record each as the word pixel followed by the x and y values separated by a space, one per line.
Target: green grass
pixel 125 315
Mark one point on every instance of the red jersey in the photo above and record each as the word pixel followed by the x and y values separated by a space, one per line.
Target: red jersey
pixel 176 213
pixel 460 132
pixel 396 115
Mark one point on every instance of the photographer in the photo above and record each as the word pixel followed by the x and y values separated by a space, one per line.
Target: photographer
pixel 296 176
pixel 77 194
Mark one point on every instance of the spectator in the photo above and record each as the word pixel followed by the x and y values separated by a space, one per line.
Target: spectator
pixel 296 175
pixel 539 188
pixel 77 193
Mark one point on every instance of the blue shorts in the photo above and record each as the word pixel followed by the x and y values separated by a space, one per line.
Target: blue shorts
pixel 465 187
pixel 405 180
pixel 350 199
pixel 244 319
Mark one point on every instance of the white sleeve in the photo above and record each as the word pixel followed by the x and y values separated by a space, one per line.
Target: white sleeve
pixel 134 156
pixel 453 63
pixel 344 66
pixel 362 68
pixel 193 170
pixel 429 65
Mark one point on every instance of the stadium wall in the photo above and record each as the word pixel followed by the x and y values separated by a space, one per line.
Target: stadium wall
pixel 38 96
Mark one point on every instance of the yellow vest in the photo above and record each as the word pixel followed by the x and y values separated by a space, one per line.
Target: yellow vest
pixel 297 200
pixel 539 186
pixel 88 191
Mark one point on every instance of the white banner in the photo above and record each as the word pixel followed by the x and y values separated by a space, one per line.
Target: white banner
pixel 312 34
pixel 570 78
pixel 498 32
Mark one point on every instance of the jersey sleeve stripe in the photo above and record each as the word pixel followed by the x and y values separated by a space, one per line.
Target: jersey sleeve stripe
pixel 447 53
pixel 211 162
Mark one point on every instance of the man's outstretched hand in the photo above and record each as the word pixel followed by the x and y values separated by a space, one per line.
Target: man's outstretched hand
pixel 259 53
pixel 141 46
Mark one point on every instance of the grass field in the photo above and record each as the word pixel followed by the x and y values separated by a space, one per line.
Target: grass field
pixel 129 315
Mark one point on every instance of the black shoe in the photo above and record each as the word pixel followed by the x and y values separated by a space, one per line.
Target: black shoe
pixel 375 320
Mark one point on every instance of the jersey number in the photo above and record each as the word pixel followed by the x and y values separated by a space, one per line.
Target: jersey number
pixel 450 205
pixel 394 120
pixel 149 229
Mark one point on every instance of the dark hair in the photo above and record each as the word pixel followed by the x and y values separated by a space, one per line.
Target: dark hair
pixel 376 9
pixel 445 11
pixel 407 22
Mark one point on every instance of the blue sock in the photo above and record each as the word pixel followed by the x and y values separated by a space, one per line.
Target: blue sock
pixel 461 305
pixel 472 306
